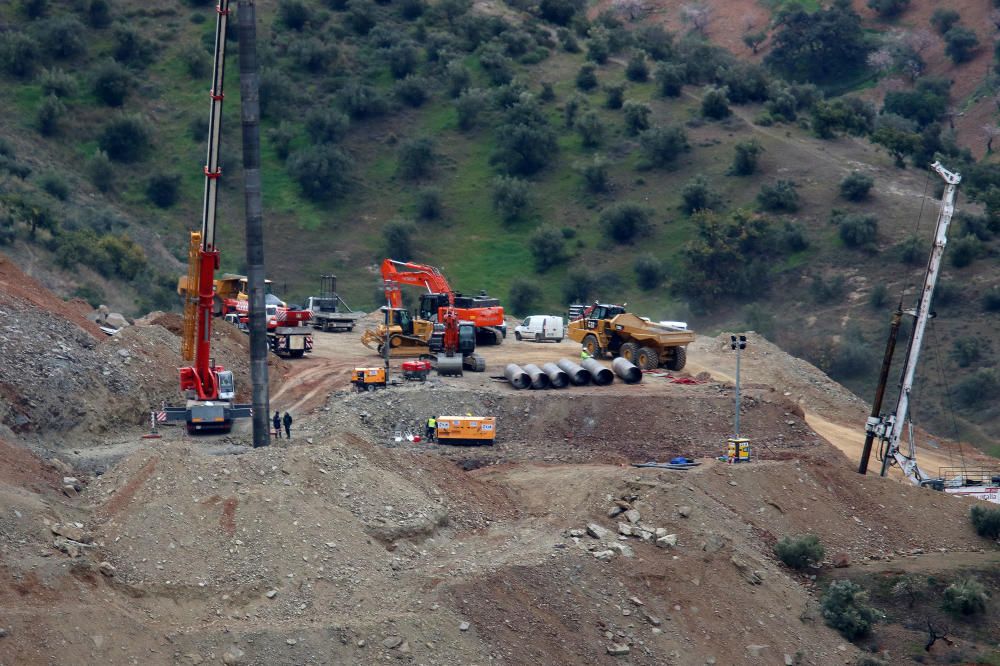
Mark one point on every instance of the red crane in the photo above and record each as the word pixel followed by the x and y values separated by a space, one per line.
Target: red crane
pixel 210 389
pixel 482 311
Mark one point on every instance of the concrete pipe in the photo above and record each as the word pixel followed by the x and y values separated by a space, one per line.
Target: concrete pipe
pixel 601 375
pixel 629 373
pixel 539 380
pixel 577 375
pixel 557 377
pixel 517 377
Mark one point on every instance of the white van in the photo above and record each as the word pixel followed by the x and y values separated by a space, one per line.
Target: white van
pixel 541 327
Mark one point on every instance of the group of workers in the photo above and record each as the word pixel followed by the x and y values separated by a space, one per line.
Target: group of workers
pixel 278 420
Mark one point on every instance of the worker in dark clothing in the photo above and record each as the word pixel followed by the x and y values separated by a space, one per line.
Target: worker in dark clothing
pixel 287 420
pixel 277 424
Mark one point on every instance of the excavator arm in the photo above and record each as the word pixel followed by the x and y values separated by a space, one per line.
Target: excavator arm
pixel 395 273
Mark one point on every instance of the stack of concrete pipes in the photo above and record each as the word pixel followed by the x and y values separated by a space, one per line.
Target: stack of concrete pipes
pixel 568 373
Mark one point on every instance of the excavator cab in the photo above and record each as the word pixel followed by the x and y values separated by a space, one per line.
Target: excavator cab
pixel 430 305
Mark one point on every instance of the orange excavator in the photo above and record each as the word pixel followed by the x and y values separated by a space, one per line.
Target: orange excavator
pixel 484 312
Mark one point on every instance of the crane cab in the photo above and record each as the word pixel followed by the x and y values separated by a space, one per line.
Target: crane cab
pixel 227 385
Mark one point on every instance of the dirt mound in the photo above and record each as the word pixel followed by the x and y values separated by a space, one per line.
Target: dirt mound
pixel 16 285
pixel 171 321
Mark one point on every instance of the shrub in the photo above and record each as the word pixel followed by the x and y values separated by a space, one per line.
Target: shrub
pixel 832 291
pixel 598 48
pixel 126 138
pixel 715 103
pixel 34 9
pixel 547 248
pixel 845 608
pixel 572 108
pixel 586 77
pixel 468 107
pixel 293 14
pixel 322 171
pixel 595 175
pixel 697 195
pixel 324 125
pixel 965 597
pixel 669 79
pixel 98 13
pixel 49 112
pixel 459 78
pixel 163 189
pixel 977 387
pixel 511 197
pixel 100 171
pixel 888 8
pixel 524 296
pixel 636 117
pixel 128 46
pixel 793 238
pixel 397 240
pixel 986 521
pixel 57 82
pixel 649 272
pixel 799 552
pixel 660 146
pixel 625 222
pixel 402 60
pixel 55 185
pixel 637 69
pixel 559 12
pixel 911 251
pixel 312 55
pixel 591 129
pixel 965 250
pixel 429 204
pixel 850 358
pixel 943 19
pixel 879 296
pixel 779 197
pixel 579 286
pixel 568 41
pixel 111 83
pixel 416 158
pixel 855 186
pixel 18 54
pixel 960 43
pixel 360 100
pixel 62 37
pixel 966 351
pixel 859 231
pixel 125 257
pixel 412 9
pixel 281 138
pixel 745 157
pixel 615 95
pixel 412 91
pixel 498 67
pixel 525 141
pixel 991 299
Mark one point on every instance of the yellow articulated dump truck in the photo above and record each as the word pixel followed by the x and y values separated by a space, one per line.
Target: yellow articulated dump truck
pixel 474 429
pixel 608 330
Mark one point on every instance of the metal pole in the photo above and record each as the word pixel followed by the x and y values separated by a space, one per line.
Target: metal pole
pixel 737 427
pixel 883 378
pixel 250 114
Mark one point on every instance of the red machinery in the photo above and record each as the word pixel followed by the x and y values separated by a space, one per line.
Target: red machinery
pixel 484 312
pixel 209 388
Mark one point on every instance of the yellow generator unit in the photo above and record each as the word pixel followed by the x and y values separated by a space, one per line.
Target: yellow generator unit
pixel 368 379
pixel 738 450
pixel 467 428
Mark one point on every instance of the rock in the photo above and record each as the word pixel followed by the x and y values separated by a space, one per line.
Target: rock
pixel 404 650
pixel 661 532
pixel 67 546
pixel 668 541
pixel 464 626
pixel 604 555
pixel 598 532
pixel 618 650
pixel 3 632
pixel 713 543
pixel 71 532
pixel 652 619
pixel 636 601
pixel 684 511
pixel 194 658
pixel 577 533
pixel 107 569
pixel 841 560
pixel 116 320
pixel 645 535
pixel 124 353
pixel 614 511
pixel 271 594
pixel 392 642
pixel 711 661
pixel 233 655
pixel 746 570
pixel 622 549
pixel 789 661
pixel 755 650
pixel 624 529
pixel 290 641
pixel 632 516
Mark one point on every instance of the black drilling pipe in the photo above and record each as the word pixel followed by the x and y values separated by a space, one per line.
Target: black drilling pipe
pixel 517 377
pixel 539 380
pixel 600 375
pixel 557 377
pixel 578 375
pixel 628 371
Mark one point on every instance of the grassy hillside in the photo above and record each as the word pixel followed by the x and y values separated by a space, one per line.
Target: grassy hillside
pixel 387 126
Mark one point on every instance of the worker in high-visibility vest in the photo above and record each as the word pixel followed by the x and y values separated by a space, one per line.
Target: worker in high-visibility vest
pixel 584 354
pixel 431 431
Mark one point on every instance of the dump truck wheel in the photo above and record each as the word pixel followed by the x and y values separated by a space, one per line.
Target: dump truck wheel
pixel 628 351
pixel 647 358
pixel 592 346
pixel 679 360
